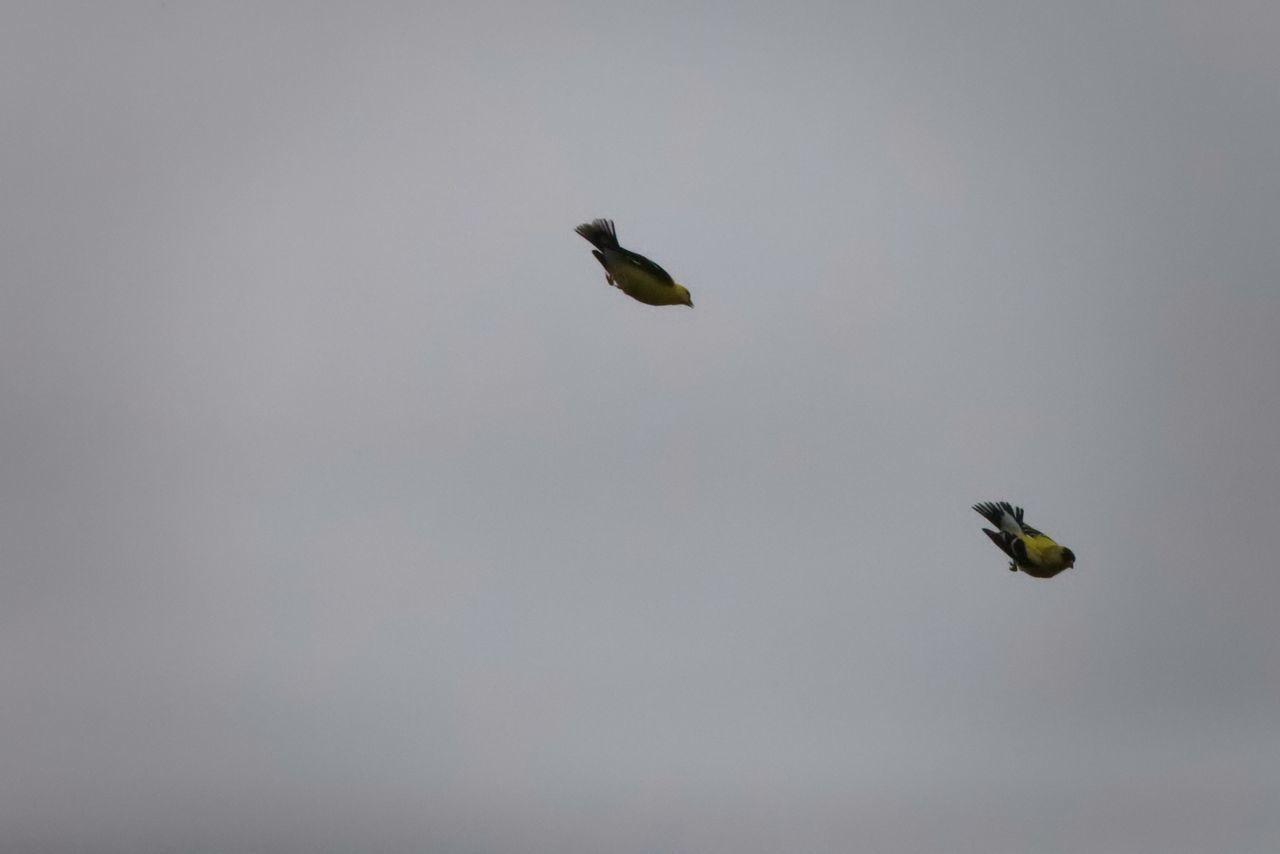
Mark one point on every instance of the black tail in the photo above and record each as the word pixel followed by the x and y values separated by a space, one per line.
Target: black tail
pixel 1002 540
pixel 600 232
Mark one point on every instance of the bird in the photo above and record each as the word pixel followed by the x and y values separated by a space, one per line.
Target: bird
pixel 630 272
pixel 1029 550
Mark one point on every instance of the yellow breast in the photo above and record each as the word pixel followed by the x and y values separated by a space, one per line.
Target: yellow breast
pixel 638 284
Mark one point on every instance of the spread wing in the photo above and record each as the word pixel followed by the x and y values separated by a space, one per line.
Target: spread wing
pixel 1006 517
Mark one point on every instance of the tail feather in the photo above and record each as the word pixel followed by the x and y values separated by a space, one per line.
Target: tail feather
pixel 1002 541
pixel 600 232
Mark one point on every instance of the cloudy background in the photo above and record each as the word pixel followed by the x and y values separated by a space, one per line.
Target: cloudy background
pixel 344 508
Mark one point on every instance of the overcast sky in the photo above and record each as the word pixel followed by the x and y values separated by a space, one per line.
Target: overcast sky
pixel 343 507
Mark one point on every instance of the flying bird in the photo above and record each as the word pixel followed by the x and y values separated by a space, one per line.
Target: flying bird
pixel 1029 550
pixel 630 272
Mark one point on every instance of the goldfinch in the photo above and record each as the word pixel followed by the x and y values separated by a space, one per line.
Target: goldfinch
pixel 632 273
pixel 1029 550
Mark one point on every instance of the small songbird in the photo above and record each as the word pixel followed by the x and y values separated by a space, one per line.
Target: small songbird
pixel 632 273
pixel 1029 550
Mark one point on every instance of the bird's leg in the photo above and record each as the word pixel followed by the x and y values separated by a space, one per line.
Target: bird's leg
pixel 1013 567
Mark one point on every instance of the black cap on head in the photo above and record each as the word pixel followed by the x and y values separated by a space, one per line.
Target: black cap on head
pixel 1069 556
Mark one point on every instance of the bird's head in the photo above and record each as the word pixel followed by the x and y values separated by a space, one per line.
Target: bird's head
pixel 687 297
pixel 1068 558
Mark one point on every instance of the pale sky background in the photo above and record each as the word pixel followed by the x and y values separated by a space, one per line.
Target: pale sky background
pixel 344 508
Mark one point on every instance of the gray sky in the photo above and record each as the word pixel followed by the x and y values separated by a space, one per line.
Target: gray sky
pixel 344 507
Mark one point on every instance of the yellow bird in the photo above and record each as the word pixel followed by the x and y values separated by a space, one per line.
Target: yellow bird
pixel 630 272
pixel 1032 551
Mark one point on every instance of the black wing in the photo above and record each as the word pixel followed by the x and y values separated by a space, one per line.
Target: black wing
pixel 638 260
pixel 993 511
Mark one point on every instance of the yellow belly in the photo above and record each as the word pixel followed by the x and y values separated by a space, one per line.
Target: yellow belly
pixel 1044 555
pixel 639 285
